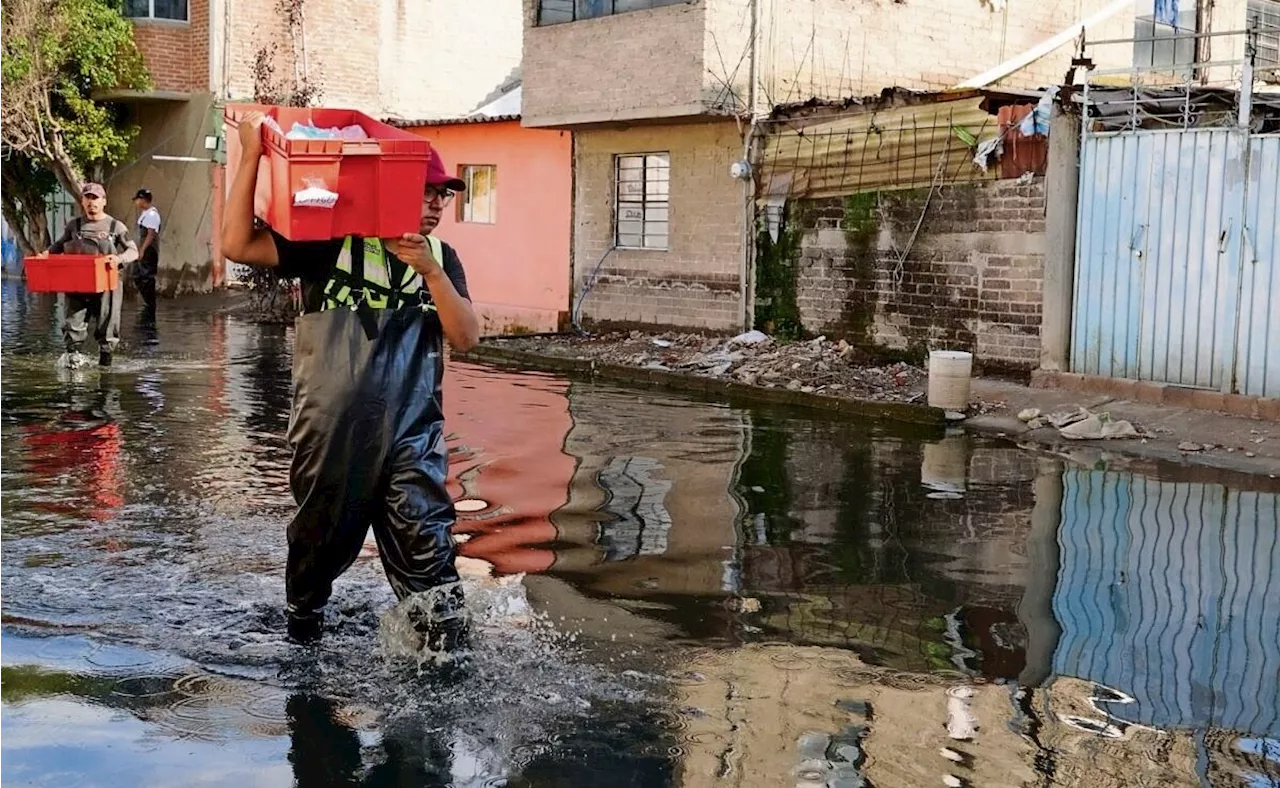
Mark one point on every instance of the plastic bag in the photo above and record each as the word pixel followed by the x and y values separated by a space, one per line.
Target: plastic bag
pixel 1037 121
pixel 310 131
pixel 315 195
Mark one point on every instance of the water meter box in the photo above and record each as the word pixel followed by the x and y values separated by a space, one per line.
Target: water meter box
pixel 377 181
pixel 70 273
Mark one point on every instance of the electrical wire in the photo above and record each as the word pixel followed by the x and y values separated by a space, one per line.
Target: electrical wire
pixel 575 314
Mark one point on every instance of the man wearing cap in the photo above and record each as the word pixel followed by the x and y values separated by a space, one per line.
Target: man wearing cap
pixel 95 233
pixel 144 273
pixel 367 429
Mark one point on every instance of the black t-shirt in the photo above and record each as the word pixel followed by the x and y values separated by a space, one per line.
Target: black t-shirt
pixel 312 262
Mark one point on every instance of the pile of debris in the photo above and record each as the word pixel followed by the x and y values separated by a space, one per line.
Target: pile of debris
pixel 810 366
pixel 1081 424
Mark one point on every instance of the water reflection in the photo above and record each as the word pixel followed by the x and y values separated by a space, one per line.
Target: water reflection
pixel 81 448
pixel 672 592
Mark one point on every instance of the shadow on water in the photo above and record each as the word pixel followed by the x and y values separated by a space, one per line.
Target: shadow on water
pixel 668 591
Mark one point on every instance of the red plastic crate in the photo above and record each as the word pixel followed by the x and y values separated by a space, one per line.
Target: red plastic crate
pixel 71 273
pixel 379 181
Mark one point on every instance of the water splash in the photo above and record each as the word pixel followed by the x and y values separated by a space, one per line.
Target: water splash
pixel 429 628
pixel 73 361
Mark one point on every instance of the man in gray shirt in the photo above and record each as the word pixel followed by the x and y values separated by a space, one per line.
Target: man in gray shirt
pixel 95 233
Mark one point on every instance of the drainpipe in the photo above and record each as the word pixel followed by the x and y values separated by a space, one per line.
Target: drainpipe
pixel 302 32
pixel 747 286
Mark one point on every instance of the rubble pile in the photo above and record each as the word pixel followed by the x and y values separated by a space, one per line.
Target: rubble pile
pixel 810 366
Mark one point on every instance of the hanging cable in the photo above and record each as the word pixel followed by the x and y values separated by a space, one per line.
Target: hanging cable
pixel 576 314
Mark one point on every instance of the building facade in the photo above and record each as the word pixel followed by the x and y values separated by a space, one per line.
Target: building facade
pixel 662 94
pixel 512 225
pixel 388 59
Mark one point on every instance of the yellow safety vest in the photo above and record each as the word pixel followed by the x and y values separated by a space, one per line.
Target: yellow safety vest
pixel 374 287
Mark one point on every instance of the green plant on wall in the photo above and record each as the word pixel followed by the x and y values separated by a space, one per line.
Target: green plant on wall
pixel 776 311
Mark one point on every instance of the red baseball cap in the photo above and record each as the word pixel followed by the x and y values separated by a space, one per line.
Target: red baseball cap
pixel 437 175
pixel 91 189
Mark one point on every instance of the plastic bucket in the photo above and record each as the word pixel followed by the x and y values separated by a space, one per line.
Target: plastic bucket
pixel 949 374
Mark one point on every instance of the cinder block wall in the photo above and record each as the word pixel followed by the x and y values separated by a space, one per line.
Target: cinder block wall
pixel 696 282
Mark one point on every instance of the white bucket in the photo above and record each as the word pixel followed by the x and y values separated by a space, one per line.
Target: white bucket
pixel 949 373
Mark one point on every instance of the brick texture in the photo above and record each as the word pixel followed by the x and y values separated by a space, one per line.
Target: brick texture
pixel 660 62
pixel 972 280
pixel 417 61
pixel 643 64
pixel 696 282
pixel 177 53
pixel 837 48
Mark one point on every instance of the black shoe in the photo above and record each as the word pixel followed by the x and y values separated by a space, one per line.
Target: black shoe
pixel 450 636
pixel 104 358
pixel 447 628
pixel 304 629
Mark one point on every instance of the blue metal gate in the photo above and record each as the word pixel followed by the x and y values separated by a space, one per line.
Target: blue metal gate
pixel 1177 278
pixel 1257 369
pixel 1153 267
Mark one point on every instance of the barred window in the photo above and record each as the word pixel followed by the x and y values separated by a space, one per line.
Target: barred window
pixel 641 206
pixel 174 10
pixel 554 12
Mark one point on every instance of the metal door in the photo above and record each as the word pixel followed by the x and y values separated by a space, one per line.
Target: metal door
pixel 1158 255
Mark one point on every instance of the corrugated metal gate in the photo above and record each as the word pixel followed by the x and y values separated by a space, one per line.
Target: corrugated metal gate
pixel 1177 274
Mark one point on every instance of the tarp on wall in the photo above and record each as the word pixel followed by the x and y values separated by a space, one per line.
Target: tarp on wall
pixel 864 149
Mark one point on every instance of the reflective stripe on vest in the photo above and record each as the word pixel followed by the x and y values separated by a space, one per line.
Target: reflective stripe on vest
pixel 375 287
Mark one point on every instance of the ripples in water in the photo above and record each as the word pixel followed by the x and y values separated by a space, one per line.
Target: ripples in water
pixel 666 591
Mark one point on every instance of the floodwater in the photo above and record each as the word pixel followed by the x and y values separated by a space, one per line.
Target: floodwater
pixel 668 591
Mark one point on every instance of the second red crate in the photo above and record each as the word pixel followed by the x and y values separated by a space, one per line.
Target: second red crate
pixel 70 273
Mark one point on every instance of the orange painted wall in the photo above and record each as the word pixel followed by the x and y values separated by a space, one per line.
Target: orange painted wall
pixel 517 268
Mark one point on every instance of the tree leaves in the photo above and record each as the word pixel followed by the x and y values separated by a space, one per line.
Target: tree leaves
pixel 57 55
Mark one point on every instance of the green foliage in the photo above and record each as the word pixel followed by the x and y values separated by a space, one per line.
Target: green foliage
pixel 58 55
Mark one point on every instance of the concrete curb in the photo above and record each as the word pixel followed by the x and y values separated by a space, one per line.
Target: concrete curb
pixel 1235 469
pixel 1148 393
pixel 683 381
pixel 1257 474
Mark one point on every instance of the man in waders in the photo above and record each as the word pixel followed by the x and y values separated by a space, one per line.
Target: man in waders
pixel 95 233
pixel 148 267
pixel 367 429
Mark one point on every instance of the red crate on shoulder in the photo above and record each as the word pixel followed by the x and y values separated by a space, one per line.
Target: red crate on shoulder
pixel 378 181
pixel 70 273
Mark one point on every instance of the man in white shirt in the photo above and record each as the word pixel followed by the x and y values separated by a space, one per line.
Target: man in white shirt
pixel 144 273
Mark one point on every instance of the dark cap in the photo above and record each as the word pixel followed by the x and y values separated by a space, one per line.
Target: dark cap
pixel 143 194
pixel 91 189
pixel 437 175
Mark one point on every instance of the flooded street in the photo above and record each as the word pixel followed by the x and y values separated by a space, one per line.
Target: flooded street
pixel 669 592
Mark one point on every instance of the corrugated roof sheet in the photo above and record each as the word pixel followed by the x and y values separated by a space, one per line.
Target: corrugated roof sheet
pixel 505 107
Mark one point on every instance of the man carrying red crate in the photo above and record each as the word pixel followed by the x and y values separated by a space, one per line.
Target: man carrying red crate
pixel 367 428
pixel 95 233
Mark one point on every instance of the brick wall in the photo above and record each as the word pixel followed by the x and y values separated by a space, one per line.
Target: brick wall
pixel 972 280
pixel 837 48
pixel 423 60
pixel 696 282
pixel 249 28
pixel 177 53
pixel 643 64
pixel 166 49
pixel 694 57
